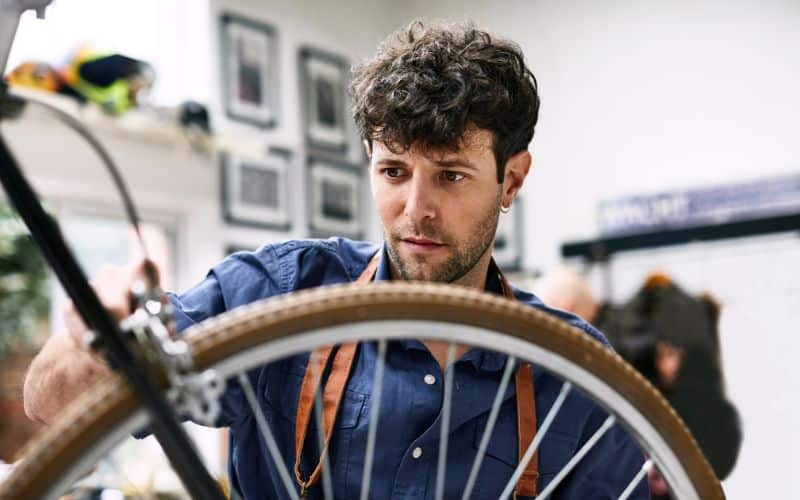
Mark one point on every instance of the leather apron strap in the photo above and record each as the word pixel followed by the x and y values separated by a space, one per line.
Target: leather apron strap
pixel 331 396
pixel 334 389
pixel 526 413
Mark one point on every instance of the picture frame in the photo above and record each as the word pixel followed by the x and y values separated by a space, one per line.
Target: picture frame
pixel 335 198
pixel 508 241
pixel 232 248
pixel 324 78
pixel 249 70
pixel 254 191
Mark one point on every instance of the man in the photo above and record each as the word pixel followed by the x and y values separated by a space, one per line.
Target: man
pixel 446 114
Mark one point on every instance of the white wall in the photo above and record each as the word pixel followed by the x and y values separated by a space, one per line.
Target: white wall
pixel 645 96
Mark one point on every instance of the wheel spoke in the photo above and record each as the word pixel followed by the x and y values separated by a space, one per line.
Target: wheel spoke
pixel 445 424
pixel 377 390
pixel 540 433
pixel 272 446
pixel 487 432
pixel 637 479
pixel 327 487
pixel 577 457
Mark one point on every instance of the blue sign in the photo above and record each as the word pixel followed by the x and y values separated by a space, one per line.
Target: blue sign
pixel 678 209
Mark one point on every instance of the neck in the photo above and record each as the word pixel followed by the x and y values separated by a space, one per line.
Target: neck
pixel 474 278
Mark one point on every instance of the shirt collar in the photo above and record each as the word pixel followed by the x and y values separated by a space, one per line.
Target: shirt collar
pixel 481 359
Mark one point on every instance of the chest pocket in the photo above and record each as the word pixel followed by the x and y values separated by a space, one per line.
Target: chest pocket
pixel 283 390
pixel 502 455
pixel 281 397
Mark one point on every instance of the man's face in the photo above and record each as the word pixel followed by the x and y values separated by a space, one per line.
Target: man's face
pixel 439 209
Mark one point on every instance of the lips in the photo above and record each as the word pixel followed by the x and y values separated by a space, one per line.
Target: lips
pixel 423 245
pixel 422 242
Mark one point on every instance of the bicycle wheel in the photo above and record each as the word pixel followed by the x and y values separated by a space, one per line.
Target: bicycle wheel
pixel 275 328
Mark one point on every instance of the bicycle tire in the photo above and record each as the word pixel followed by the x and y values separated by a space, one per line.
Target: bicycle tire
pixel 55 455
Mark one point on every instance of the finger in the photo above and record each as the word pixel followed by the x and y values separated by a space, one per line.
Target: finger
pixel 151 271
pixel 146 270
pixel 112 285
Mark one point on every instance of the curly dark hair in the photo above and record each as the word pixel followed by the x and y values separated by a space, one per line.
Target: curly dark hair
pixel 427 86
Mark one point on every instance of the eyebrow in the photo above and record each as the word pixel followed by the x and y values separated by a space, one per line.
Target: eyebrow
pixel 391 162
pixel 457 162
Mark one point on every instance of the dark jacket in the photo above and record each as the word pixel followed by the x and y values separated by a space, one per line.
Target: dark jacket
pixel 662 312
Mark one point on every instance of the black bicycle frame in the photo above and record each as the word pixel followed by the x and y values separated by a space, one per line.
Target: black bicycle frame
pixel 164 423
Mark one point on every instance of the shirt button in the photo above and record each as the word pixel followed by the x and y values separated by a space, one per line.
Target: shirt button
pixel 430 379
pixel 416 452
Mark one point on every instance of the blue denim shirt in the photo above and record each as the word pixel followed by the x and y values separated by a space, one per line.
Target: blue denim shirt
pixel 410 406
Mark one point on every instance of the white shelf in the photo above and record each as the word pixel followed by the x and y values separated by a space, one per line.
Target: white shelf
pixel 137 124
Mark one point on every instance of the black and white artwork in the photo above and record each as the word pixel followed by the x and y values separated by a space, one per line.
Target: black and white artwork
pixel 254 190
pixel 335 198
pixel 324 81
pixel 508 239
pixel 249 65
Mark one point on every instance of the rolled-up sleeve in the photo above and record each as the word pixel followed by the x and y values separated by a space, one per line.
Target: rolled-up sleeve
pixel 224 288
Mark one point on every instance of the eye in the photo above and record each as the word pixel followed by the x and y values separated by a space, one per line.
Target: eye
pixel 393 172
pixel 452 177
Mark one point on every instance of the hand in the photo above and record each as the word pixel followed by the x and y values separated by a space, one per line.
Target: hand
pixel 113 286
pixel 658 487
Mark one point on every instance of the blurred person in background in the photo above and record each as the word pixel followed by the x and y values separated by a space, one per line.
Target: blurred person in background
pixel 564 288
pixel 671 338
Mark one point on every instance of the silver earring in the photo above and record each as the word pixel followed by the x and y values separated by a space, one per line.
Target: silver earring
pixel 505 210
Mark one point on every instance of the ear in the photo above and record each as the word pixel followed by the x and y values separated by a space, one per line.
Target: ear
pixel 517 168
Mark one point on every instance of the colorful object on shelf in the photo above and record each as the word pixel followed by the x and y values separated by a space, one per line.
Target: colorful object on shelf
pixel 193 114
pixel 113 81
pixel 41 76
pixel 37 75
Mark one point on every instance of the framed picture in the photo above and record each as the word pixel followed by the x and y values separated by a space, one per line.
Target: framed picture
pixel 335 198
pixel 255 190
pixel 249 65
pixel 232 248
pixel 508 239
pixel 324 78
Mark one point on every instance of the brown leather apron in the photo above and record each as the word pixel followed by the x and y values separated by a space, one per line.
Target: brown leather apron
pixel 337 380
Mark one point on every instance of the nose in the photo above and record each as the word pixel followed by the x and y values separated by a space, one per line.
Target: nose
pixel 420 202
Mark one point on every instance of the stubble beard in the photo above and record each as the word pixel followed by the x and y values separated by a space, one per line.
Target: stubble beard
pixel 464 255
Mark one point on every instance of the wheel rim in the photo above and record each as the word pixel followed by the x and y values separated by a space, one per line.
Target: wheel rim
pixel 273 329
